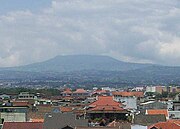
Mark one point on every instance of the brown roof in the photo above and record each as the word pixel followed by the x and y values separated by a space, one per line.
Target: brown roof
pixel 66 109
pixel 42 110
pixel 157 111
pixel 67 91
pixel 22 125
pixel 177 121
pixel 147 120
pixel 165 125
pixel 121 125
pixel 80 91
pixel 105 100
pixel 128 94
pixel 20 103
pixel 105 103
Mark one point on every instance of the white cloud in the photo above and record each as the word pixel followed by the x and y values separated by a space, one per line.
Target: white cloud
pixel 131 30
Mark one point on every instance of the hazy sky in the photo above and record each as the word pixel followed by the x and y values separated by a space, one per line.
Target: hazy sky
pixel 129 30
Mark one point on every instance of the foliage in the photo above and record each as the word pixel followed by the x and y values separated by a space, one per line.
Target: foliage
pixel 48 92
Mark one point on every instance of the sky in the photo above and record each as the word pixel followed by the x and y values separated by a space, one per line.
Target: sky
pixel 145 31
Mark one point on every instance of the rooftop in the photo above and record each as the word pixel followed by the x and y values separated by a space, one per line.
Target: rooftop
pixel 22 125
pixel 157 111
pixel 128 94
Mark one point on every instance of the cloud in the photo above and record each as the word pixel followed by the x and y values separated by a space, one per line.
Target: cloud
pixel 129 30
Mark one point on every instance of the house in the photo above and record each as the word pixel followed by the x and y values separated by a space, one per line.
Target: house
pixel 107 108
pixel 100 92
pixel 39 112
pixel 4 96
pixel 66 109
pixel 80 93
pixel 165 125
pixel 120 125
pixel 14 113
pixel 63 121
pixel 158 111
pixel 22 125
pixel 129 99
pixel 66 92
pixel 43 102
pixel 26 95
pixel 20 103
pixel 176 105
pixel 152 105
pixel 146 120
pixel 174 114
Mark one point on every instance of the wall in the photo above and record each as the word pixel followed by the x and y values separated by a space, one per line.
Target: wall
pixel 13 117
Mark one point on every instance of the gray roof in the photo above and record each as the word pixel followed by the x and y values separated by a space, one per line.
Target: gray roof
pixel 100 127
pixel 60 120
pixel 147 120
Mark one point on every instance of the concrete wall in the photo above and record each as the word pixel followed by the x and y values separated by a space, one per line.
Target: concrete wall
pixel 129 102
pixel 174 114
pixel 13 117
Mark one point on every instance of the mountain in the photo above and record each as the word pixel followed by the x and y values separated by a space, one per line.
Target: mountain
pixel 92 70
pixel 79 63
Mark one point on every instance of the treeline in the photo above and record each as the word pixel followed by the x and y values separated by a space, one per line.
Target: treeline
pixel 48 91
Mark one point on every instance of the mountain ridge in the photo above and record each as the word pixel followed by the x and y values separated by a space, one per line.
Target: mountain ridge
pixel 70 63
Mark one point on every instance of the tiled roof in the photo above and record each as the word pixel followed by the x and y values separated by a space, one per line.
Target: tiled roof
pixel 177 121
pixel 66 109
pixel 61 120
pixel 20 103
pixel 42 110
pixel 105 103
pixel 22 125
pixel 128 94
pixel 165 125
pixel 147 120
pixel 106 108
pixel 105 100
pixel 157 111
pixel 37 120
pixel 80 91
pixel 67 91
pixel 121 125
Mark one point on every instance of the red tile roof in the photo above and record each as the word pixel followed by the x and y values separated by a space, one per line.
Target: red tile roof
pixel 80 91
pixel 157 111
pixel 20 103
pixel 105 103
pixel 177 121
pixel 165 125
pixel 67 91
pixel 22 125
pixel 105 100
pixel 128 94
pixel 66 109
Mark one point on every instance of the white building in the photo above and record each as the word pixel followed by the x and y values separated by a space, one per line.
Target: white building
pixel 150 89
pixel 26 95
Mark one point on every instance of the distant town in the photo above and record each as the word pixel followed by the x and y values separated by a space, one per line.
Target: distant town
pixel 141 107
